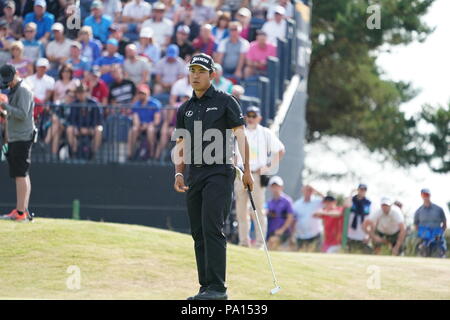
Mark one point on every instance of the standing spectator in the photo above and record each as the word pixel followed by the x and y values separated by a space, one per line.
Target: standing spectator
pixel 116 33
pixel 109 60
pixel 286 4
pixel 113 8
pixel 134 14
pixel 90 47
pixel 162 27
pixel 220 82
pixel 42 19
pixel 121 91
pixel 202 13
pixel 308 227
pixel 84 120
pixel 13 22
pixel 256 58
pixel 280 215
pixel 429 215
pixel 40 83
pixel 332 218
pixel 80 64
pixel 136 68
pixel 184 45
pixel 24 66
pixel 187 19
pixel 58 50
pixel 276 28
pixel 386 226
pixel 244 16
pixel 146 117
pixel 99 22
pixel 205 42
pixel 231 52
pixel 265 152
pixel 168 70
pixel 32 48
pixel 360 209
pixel 97 88
pixel 147 47
pixel 220 30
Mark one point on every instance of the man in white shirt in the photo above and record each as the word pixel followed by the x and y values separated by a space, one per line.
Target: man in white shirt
pixel 41 84
pixel 386 225
pixel 58 50
pixel 308 229
pixel 134 14
pixel 266 151
pixel 162 27
pixel 276 28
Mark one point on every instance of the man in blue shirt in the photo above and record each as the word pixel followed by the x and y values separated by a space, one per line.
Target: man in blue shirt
pixel 99 22
pixel 146 117
pixel 107 62
pixel 43 20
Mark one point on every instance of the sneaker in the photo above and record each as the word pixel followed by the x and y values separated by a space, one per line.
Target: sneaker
pixel 15 216
pixel 9 216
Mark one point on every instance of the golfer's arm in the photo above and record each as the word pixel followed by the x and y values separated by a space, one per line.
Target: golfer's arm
pixel 243 146
pixel 179 164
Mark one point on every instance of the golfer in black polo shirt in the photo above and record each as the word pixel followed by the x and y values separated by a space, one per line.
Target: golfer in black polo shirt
pixel 206 124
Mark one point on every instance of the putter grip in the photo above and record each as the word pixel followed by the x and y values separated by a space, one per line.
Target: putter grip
pixel 251 199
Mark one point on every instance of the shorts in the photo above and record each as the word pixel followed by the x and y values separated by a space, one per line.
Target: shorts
pixel 391 238
pixel 19 158
pixel 285 236
pixel 312 244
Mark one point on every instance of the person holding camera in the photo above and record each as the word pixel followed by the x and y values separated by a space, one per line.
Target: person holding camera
pixel 21 133
pixel 266 151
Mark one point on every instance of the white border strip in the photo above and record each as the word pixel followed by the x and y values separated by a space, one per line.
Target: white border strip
pixel 285 103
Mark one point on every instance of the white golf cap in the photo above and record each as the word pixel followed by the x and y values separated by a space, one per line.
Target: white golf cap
pixel 42 62
pixel 58 27
pixel 41 3
pixel 146 33
pixel 245 12
pixel 276 180
pixel 386 201
pixel 281 10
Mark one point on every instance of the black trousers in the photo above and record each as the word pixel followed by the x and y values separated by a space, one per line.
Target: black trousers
pixel 209 203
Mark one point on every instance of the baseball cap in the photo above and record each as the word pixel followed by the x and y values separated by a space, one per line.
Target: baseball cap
pixel 96 71
pixel 362 186
pixel 143 88
pixel 276 180
pixel 112 41
pixel 146 33
pixel 159 6
pixel 114 27
pixel 10 4
pixel 425 190
pixel 329 198
pixel 40 3
pixel 7 73
pixel 172 51
pixel 58 27
pixel 244 12
pixel 80 88
pixel 261 31
pixel 386 201
pixel 42 62
pixel 76 44
pixel 96 5
pixel 184 28
pixel 202 60
pixel 280 10
pixel 254 109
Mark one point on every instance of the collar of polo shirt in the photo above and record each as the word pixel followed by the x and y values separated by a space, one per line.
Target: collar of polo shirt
pixel 209 93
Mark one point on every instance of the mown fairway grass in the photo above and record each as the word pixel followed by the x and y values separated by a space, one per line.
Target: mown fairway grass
pixel 119 261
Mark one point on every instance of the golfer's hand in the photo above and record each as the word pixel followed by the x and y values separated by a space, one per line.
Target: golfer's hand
pixel 179 184
pixel 247 180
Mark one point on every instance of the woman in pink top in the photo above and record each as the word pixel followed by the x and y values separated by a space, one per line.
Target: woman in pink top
pixel 23 65
pixel 66 81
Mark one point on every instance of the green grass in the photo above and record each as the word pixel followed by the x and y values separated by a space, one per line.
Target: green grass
pixel 135 262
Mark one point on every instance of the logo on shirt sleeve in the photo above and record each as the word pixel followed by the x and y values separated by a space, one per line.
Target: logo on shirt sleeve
pixel 189 113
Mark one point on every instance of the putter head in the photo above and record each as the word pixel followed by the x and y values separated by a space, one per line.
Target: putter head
pixel 275 290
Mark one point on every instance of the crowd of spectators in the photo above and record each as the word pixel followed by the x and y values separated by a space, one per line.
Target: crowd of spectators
pixel 130 55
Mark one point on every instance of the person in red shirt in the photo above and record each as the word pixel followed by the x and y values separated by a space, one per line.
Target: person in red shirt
pixel 98 89
pixel 333 220
pixel 205 42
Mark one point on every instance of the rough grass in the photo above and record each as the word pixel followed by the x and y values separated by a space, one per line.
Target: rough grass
pixel 135 262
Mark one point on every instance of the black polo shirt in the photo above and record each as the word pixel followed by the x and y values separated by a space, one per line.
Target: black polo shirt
pixel 214 110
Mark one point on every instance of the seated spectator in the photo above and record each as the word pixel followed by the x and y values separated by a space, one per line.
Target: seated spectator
pixel 146 117
pixel 24 66
pixel 90 47
pixel 162 27
pixel 43 20
pixel 386 225
pixel 134 14
pixel 183 43
pixel 99 22
pixel 187 19
pixel 168 70
pixel 113 9
pixel 332 218
pixel 286 4
pixel 121 91
pixel 308 228
pixel 58 50
pixel 171 8
pixel 231 52
pixel 220 30
pixel 202 13
pixel 97 88
pixel 237 91
pixel 205 42
pixel 136 68
pixel 116 33
pixel 5 39
pixel 277 27
pixel 280 215
pixel 244 16
pixel 13 22
pixel 220 82
pixel 232 5
pixel 109 60
pixel 66 81
pixel 256 58
pixel 80 64
pixel 147 47
pixel 40 83
pixel 180 89
pixel 84 120
pixel 32 49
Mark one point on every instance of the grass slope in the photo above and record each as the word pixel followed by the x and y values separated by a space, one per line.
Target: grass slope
pixel 135 262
